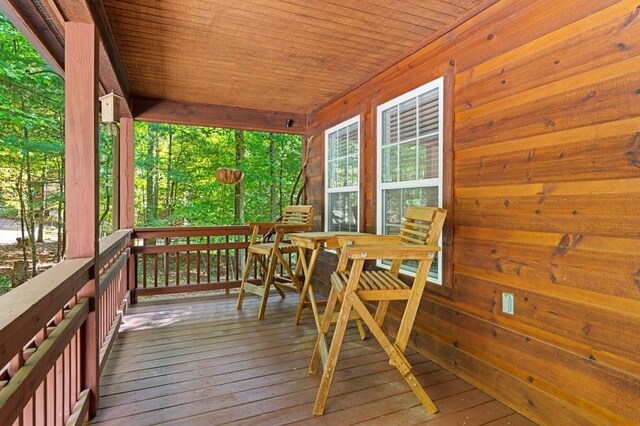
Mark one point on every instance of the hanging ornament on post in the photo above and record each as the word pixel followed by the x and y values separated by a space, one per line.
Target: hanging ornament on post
pixel 229 176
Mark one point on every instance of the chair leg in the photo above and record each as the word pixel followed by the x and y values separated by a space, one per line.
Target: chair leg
pixel 267 286
pixel 307 281
pixel 361 331
pixel 245 276
pixel 334 351
pixel 381 311
pixel 321 341
pixel 396 357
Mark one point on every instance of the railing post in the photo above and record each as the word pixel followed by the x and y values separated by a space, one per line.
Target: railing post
pixel 81 182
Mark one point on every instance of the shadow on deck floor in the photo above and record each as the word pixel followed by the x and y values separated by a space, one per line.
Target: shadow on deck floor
pixel 199 361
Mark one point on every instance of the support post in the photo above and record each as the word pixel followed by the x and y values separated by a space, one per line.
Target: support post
pixel 81 181
pixel 125 205
pixel 126 173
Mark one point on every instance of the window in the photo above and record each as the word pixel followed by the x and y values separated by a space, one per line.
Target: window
pixel 342 176
pixel 410 151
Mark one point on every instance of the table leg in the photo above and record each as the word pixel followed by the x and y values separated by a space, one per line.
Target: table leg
pixel 306 288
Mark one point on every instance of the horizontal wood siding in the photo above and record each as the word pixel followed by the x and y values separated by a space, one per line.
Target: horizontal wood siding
pixel 546 135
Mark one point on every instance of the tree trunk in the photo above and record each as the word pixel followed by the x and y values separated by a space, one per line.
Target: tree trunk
pixel 272 176
pixel 152 206
pixel 280 191
pixel 43 203
pixel 30 210
pixel 167 199
pixel 239 195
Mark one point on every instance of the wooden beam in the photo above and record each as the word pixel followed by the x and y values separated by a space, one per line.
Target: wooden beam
pixel 81 178
pixel 195 114
pixel 42 35
pixel 126 215
pixel 112 75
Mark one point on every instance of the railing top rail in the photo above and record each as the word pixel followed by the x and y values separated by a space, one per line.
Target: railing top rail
pixel 112 244
pixel 191 231
pixel 25 310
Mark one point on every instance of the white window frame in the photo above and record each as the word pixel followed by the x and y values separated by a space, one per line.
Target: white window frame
pixel 439 181
pixel 327 190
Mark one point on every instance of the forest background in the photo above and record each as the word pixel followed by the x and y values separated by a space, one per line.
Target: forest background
pixel 175 182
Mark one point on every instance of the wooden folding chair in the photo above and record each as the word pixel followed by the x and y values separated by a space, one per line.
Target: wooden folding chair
pixel 294 219
pixel 418 240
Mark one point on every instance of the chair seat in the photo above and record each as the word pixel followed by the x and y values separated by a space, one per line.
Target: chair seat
pixel 374 285
pixel 265 248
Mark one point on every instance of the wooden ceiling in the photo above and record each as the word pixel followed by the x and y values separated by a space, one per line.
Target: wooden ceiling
pixel 275 55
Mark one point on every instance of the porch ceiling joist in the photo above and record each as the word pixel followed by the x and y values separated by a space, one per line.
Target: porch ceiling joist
pixel 200 114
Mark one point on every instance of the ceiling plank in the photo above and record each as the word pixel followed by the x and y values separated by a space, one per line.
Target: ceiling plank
pixel 200 114
pixel 287 55
pixel 40 34
pixel 113 77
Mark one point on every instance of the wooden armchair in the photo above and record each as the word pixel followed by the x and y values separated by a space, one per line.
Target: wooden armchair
pixel 271 253
pixel 418 241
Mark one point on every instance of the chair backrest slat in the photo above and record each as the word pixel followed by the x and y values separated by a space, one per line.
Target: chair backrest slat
pixel 422 225
pixel 298 214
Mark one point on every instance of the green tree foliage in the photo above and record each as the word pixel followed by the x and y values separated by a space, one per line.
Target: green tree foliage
pixel 175 166
pixel 31 138
pixel 175 174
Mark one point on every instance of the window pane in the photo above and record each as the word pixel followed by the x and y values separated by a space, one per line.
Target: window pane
pixel 428 157
pixel 331 149
pixel 390 126
pixel 332 174
pixel 342 143
pixel 395 201
pixel 408 120
pixel 343 210
pixel 407 161
pixel 392 210
pixel 430 197
pixel 352 170
pixel 390 163
pixel 428 113
pixel 341 172
pixel 352 143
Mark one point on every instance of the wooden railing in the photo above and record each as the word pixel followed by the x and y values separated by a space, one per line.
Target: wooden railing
pixel 43 336
pixel 185 259
pixel 45 351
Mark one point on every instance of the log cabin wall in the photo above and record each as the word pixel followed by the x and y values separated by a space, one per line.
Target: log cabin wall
pixel 546 139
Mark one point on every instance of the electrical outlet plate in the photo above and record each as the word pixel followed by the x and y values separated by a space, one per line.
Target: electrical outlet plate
pixel 508 303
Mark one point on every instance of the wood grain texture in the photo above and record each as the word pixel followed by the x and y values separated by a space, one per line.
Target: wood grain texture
pixel 198 114
pixel 213 364
pixel 126 203
pixel 546 173
pixel 265 55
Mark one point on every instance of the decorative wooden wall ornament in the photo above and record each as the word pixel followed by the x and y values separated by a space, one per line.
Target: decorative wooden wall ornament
pixel 229 176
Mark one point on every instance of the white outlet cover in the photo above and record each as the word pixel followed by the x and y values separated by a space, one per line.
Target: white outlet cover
pixel 508 303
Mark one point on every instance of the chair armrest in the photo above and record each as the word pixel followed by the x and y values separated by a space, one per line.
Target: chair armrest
pixel 264 224
pixel 368 239
pixel 400 251
pixel 292 227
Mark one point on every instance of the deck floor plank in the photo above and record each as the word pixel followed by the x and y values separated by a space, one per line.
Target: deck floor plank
pixel 199 361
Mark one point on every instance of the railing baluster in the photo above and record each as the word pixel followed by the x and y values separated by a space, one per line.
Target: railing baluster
pixel 208 280
pixel 144 268
pixel 188 269
pixel 155 270
pixel 226 255
pixel 198 281
pixel 166 264
pixel 177 268
pixel 217 265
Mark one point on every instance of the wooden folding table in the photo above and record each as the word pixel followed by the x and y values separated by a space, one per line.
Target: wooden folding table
pixel 315 241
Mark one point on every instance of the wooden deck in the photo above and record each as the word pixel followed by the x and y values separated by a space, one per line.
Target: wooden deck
pixel 198 360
